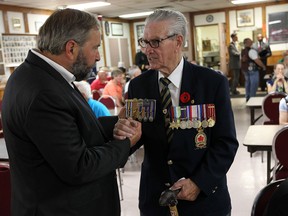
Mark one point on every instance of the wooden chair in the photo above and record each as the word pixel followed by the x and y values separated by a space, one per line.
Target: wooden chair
pixel 108 101
pixel 270 107
pixel 5 189
pixel 280 152
pixel 263 197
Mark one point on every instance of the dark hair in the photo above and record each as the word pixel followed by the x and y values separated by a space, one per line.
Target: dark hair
pixel 64 25
pixel 233 35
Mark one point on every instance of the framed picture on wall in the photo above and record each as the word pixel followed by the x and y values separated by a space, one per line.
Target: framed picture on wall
pixel 16 23
pixel 140 31
pixel 107 28
pixel 117 29
pixel 245 18
pixel 278 27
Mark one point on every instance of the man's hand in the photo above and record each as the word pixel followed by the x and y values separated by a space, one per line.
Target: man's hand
pixel 189 190
pixel 127 128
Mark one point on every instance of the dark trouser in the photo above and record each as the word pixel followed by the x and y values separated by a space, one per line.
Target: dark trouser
pixel 262 81
pixel 141 214
pixel 235 81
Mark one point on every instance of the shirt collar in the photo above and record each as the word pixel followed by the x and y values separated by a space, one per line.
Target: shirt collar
pixel 176 76
pixel 68 76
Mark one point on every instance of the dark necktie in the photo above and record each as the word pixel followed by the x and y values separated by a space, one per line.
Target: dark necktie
pixel 166 105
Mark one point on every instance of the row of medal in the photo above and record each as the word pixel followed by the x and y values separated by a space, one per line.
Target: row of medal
pixel 184 117
pixel 141 109
pixel 194 116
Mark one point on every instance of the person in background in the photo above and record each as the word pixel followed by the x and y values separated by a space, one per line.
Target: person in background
pixel 285 63
pixel 279 82
pixel 264 52
pixel 102 79
pixel 234 63
pixel 249 66
pixel 114 87
pixel 283 111
pixel 284 54
pixel 98 108
pixel 195 158
pixel 62 158
pixel 133 72
pixel 141 61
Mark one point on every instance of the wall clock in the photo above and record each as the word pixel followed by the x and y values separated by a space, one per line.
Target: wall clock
pixel 209 18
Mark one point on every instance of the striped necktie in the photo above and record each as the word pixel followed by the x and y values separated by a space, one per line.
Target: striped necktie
pixel 166 105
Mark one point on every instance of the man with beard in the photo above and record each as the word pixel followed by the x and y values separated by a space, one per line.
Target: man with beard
pixel 62 158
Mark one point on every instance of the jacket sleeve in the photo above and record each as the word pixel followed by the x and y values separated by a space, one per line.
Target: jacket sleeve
pixel 70 140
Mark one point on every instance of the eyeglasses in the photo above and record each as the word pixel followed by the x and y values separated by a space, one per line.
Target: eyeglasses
pixel 153 43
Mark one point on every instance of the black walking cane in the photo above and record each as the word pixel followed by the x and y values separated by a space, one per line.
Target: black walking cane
pixel 169 198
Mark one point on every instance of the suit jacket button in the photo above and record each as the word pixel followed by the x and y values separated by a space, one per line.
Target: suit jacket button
pixel 169 162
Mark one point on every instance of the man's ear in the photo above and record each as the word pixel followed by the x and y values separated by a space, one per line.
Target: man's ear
pixel 180 41
pixel 70 48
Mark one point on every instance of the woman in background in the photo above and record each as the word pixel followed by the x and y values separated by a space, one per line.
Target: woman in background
pixel 279 82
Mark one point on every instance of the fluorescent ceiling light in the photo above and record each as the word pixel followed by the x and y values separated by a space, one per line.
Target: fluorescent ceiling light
pixel 141 14
pixel 274 22
pixel 246 1
pixel 89 5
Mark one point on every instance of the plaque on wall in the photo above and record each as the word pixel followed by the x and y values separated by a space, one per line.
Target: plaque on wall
pixel 107 28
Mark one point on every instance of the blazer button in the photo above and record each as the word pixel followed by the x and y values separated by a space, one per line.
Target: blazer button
pixel 169 162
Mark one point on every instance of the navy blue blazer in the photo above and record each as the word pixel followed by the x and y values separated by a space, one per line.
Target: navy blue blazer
pixel 62 160
pixel 165 163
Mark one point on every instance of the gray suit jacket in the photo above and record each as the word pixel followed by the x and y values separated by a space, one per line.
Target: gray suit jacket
pixel 234 57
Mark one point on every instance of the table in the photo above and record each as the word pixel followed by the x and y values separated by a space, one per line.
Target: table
pixel 260 138
pixel 254 103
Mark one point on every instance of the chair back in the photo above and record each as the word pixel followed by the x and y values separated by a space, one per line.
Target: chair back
pixel 270 107
pixel 263 197
pixel 280 152
pixel 5 189
pixel 96 94
pixel 108 101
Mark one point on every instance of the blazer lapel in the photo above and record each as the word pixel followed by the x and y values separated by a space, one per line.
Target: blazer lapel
pixel 188 83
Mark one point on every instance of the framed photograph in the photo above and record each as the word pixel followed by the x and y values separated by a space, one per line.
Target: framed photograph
pixel 206 45
pixel 117 29
pixel 245 18
pixel 38 25
pixel 16 23
pixel 278 27
pixel 107 28
pixel 140 31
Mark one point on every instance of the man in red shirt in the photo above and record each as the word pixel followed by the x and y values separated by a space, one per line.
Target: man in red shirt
pixel 99 83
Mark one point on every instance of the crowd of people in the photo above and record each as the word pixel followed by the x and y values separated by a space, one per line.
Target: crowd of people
pixel 252 62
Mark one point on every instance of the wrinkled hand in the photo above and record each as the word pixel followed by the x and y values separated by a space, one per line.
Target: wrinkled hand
pixel 189 190
pixel 127 128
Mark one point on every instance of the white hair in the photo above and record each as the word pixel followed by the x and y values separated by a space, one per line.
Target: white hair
pixel 84 88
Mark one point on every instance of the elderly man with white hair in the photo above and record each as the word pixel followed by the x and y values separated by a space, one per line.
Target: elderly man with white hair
pixel 133 72
pixel 98 108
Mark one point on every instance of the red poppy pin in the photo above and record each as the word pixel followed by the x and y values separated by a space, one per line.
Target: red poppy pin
pixel 185 97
